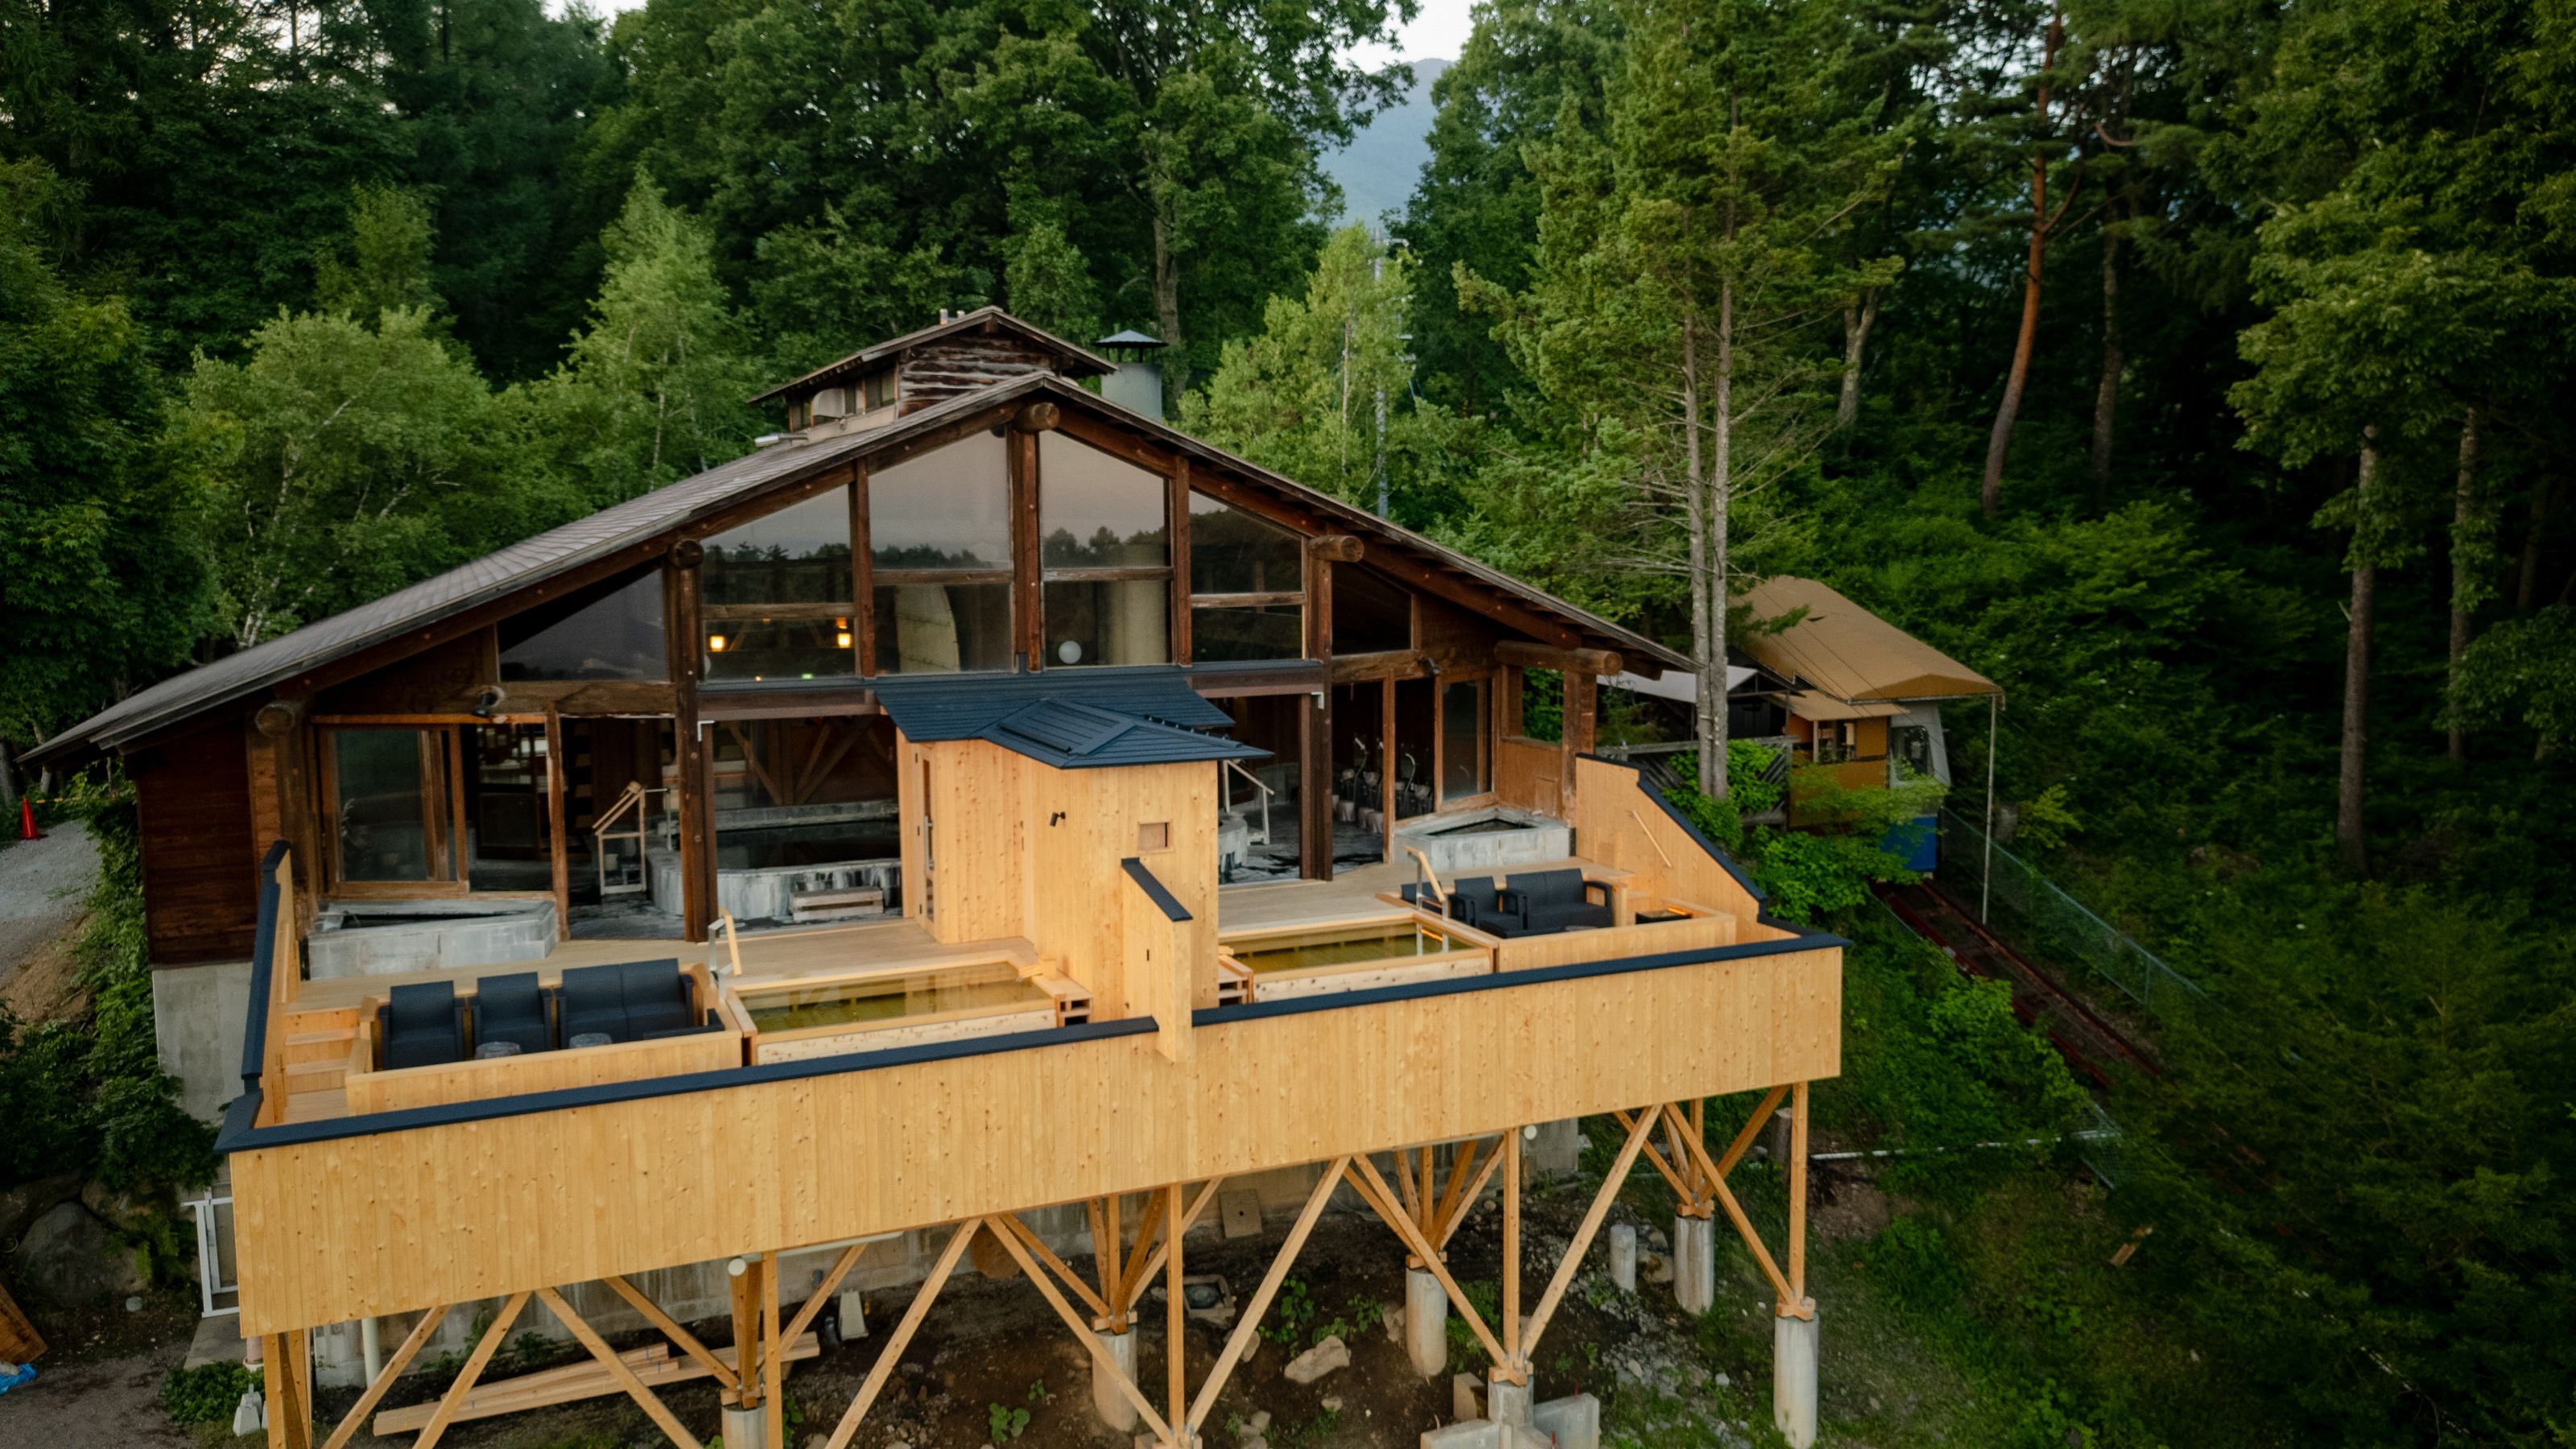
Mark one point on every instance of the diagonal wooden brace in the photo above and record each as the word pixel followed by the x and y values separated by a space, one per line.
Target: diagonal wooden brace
pixel 1101 1362
pixel 1375 1190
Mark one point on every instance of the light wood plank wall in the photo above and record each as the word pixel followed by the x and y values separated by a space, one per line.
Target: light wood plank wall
pixel 1529 773
pixel 1617 824
pixel 330 1231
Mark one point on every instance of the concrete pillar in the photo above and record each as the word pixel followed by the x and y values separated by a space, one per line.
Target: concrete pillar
pixel 1793 1379
pixel 1623 1257
pixel 746 1429
pixel 1426 1322
pixel 1695 1263
pixel 1115 1411
pixel 1507 1402
pixel 1569 1423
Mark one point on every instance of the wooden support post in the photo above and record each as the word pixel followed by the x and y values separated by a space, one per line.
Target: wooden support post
pixel 1139 1277
pixel 1259 1303
pixel 681 1338
pixel 821 1295
pixel 1798 1204
pixel 1735 1214
pixel 466 1377
pixel 744 1281
pixel 1009 1226
pixel 1373 1188
pixel 1176 1319
pixel 393 1369
pixel 681 580
pixel 558 822
pixel 1017 1246
pixel 645 1399
pixel 1386 770
pixel 1158 1206
pixel 1563 1278
pixel 287 1368
pixel 1672 1178
pixel 883 1368
pixel 773 1355
pixel 1457 1214
pixel 1315 786
pixel 1510 1157
pixel 1753 1126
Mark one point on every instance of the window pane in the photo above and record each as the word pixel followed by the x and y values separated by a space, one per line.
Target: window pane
pixel 382 834
pixel 807 795
pixel 1095 511
pixel 943 628
pixel 1268 631
pixel 1462 738
pixel 949 509
pixel 1370 615
pixel 1233 552
pixel 777 594
pixel 507 822
pixel 1126 621
pixel 617 636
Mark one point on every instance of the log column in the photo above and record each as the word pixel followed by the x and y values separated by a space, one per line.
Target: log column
pixel 681 585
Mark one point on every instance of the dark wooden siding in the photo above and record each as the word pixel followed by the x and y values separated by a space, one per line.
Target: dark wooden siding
pixel 937 371
pixel 200 901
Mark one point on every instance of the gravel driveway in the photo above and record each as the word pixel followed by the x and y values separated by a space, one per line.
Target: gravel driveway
pixel 42 883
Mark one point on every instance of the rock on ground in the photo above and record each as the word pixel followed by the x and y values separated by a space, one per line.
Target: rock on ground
pixel 72 1258
pixel 1324 1358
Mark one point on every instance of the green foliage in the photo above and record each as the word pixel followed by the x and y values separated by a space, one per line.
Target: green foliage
pixel 1466 1351
pixel 389 239
pixel 206 1394
pixel 89 1096
pixel 1004 1423
pixel 2523 671
pixel 105 585
pixel 1824 866
pixel 1291 1309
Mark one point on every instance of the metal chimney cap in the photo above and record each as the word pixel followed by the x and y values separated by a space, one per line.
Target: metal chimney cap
pixel 1130 338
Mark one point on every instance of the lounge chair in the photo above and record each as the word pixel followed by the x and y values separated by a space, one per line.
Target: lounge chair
pixel 421 1025
pixel 1474 902
pixel 593 1004
pixel 658 998
pixel 1547 901
pixel 511 1008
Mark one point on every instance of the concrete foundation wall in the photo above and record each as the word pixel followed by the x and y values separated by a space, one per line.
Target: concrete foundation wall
pixel 198 1016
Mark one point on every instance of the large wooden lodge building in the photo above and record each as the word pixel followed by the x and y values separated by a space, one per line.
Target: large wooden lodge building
pixel 982 819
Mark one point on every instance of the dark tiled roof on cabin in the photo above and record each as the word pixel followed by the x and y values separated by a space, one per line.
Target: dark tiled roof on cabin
pixel 638 520
pixel 1071 719
pixel 1072 361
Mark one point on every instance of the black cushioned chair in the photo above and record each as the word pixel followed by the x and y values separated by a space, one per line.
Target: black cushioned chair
pixel 658 998
pixel 593 1003
pixel 1474 902
pixel 1546 901
pixel 511 1008
pixel 421 1025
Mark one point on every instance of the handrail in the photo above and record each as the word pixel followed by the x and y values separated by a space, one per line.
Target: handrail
pixel 636 798
pixel 1423 868
pixel 1237 767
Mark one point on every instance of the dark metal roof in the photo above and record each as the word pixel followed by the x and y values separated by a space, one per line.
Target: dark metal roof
pixel 639 520
pixel 1129 338
pixel 1079 362
pixel 1071 719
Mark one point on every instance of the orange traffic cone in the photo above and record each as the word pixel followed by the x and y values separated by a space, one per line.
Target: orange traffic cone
pixel 27 820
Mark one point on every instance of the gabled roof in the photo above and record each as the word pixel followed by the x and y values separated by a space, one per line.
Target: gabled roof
pixel 1845 652
pixel 1072 719
pixel 1075 361
pixel 639 521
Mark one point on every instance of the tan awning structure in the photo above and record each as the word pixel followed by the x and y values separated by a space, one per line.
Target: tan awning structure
pixel 1845 653
pixel 1823 708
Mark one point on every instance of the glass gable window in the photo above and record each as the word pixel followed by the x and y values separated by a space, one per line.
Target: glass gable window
pixel 1370 614
pixel 777 595
pixel 1247 586
pixel 1105 543
pixel 939 554
pixel 615 636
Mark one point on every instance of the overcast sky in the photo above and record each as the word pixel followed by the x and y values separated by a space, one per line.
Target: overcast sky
pixel 1439 32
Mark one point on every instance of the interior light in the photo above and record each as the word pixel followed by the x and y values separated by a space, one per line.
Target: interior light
pixel 715 643
pixel 841 640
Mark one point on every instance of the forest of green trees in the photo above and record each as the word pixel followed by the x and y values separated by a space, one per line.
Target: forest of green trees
pixel 2198 369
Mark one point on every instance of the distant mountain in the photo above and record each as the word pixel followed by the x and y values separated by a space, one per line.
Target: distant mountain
pixel 1383 163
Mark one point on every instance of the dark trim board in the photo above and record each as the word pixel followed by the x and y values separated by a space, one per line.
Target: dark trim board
pixel 1154 889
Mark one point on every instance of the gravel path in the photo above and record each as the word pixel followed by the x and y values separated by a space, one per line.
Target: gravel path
pixel 41 886
pixel 111 1404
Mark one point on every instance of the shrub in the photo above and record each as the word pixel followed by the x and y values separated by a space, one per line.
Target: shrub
pixel 207 1393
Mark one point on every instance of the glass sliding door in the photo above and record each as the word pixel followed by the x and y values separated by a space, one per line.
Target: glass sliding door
pixel 389 805
pixel 1464 770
